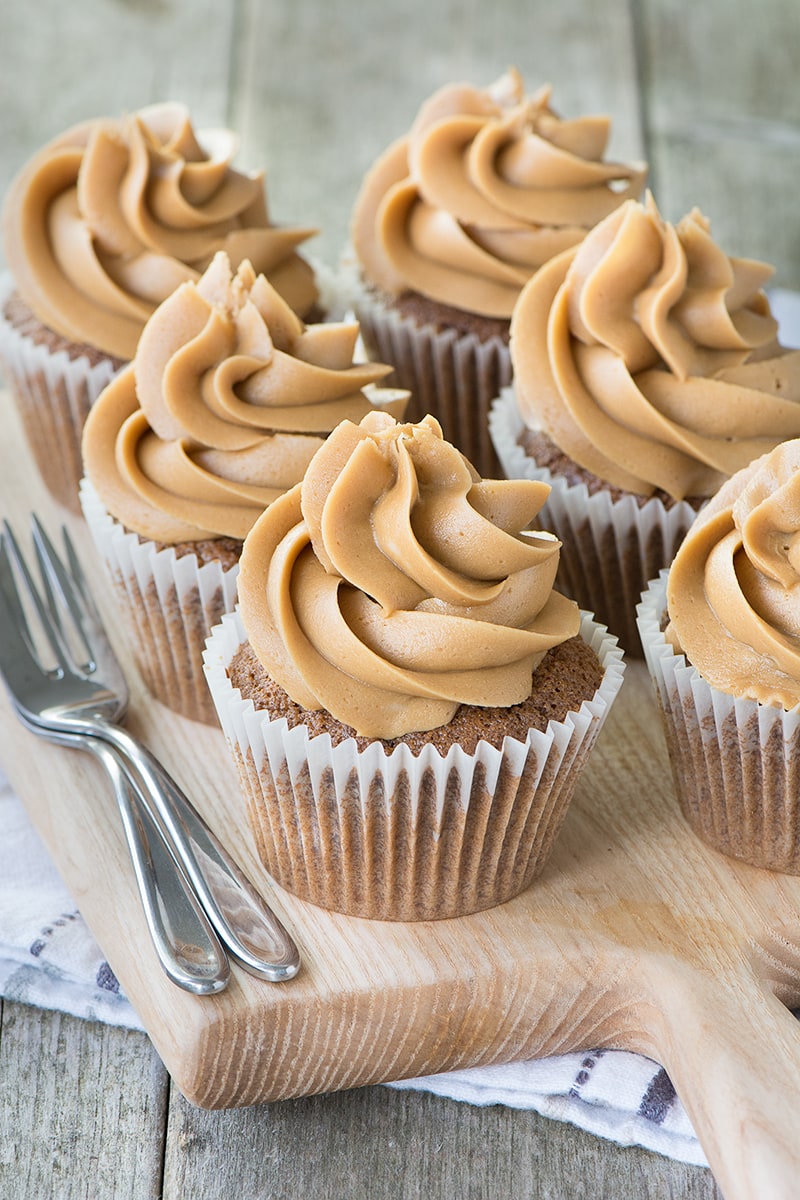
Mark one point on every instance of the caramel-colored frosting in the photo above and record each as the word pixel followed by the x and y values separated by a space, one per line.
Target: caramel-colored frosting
pixel 733 595
pixel 393 584
pixel 109 218
pixel 650 357
pixel 222 409
pixel 488 185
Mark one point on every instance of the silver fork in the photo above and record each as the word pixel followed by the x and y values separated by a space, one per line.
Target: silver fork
pixel 86 697
pixel 188 949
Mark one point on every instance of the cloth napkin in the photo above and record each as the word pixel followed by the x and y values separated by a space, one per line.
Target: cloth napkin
pixel 48 958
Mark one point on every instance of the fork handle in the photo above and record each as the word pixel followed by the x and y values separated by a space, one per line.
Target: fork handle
pixel 248 928
pixel 187 947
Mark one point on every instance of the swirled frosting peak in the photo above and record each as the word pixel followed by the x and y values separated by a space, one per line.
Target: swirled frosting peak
pixel 651 357
pixel 105 222
pixel 488 185
pixel 734 587
pixel 393 584
pixel 226 402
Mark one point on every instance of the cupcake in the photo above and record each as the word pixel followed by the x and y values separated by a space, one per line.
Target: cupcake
pixel 100 226
pixel 646 373
pixel 224 405
pixel 407 700
pixel 721 634
pixel 449 225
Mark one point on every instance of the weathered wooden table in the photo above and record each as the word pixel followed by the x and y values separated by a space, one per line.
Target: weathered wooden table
pixel 707 93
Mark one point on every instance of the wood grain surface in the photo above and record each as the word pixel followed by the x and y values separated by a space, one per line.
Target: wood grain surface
pixel 636 936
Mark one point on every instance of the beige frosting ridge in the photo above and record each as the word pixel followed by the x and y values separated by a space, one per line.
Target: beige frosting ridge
pixel 650 357
pixel 105 222
pixel 733 595
pixel 394 584
pixel 227 400
pixel 488 185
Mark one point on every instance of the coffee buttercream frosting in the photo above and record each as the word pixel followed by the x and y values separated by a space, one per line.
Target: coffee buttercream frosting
pixel 226 402
pixel 650 357
pixel 109 218
pixel 393 584
pixel 733 595
pixel 488 185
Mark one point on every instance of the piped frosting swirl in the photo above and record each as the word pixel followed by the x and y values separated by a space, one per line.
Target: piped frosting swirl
pixel 650 356
pixel 225 404
pixel 104 222
pixel 488 185
pixel 733 595
pixel 393 584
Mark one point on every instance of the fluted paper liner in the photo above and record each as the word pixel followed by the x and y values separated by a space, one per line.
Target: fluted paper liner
pixel 613 547
pixel 53 394
pixel 394 836
pixel 451 375
pixel 169 605
pixel 735 762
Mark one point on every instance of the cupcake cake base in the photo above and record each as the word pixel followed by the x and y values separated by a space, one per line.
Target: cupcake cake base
pixel 453 364
pixel 169 601
pixel 53 383
pixel 406 831
pixel 735 762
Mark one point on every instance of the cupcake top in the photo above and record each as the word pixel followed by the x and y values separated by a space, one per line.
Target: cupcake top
pixel 488 185
pixel 393 584
pixel 223 407
pixel 650 357
pixel 733 596
pixel 106 221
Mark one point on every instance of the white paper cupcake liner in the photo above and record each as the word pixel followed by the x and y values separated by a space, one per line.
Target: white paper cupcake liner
pixel 394 836
pixel 53 394
pixel 735 762
pixel 611 547
pixel 169 604
pixel 450 375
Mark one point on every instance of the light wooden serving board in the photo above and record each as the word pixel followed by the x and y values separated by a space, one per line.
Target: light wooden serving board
pixel 636 936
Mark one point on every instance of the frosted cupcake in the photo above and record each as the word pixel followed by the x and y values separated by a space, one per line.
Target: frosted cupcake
pixel 646 372
pixel 721 633
pixel 449 225
pixel 227 400
pixel 100 226
pixel 408 701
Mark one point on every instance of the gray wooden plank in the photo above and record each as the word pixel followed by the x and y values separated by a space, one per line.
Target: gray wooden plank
pixel 384 1144
pixel 722 116
pixel 320 89
pixel 82 1109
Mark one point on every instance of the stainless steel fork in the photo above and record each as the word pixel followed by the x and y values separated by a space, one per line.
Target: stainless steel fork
pixel 188 949
pixel 85 697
